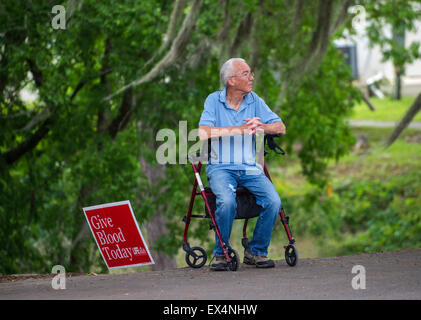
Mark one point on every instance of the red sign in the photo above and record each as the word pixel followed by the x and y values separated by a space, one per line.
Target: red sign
pixel 117 235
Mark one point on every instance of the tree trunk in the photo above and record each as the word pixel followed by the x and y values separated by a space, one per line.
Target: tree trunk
pixel 156 228
pixel 156 225
pixel 79 257
pixel 398 85
pixel 410 114
pixel 367 100
pixel 398 37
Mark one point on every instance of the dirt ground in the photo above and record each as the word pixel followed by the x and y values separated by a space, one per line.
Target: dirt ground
pixel 388 275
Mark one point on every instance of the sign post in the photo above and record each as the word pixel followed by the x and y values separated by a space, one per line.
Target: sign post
pixel 118 235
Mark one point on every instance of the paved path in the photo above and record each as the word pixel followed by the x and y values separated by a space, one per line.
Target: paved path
pixel 388 275
pixel 381 124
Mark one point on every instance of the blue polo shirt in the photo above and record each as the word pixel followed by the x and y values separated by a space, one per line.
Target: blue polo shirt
pixel 234 152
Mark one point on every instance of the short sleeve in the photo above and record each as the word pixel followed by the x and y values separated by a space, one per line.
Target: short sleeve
pixel 265 114
pixel 208 117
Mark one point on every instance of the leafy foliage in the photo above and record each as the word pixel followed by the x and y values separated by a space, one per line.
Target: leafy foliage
pixel 71 147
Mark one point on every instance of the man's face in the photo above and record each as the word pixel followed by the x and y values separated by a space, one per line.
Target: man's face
pixel 243 78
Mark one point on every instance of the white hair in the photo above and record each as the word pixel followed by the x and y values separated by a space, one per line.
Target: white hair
pixel 227 70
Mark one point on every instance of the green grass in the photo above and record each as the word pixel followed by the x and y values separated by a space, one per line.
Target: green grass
pixel 386 110
pixel 400 154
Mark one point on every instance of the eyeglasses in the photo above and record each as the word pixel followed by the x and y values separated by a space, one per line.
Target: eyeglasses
pixel 245 75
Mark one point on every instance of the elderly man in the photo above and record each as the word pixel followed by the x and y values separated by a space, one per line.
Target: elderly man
pixel 230 118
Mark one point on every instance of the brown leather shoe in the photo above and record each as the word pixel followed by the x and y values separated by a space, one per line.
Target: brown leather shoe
pixel 258 261
pixel 220 264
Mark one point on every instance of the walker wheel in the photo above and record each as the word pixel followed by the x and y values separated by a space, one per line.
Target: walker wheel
pixel 235 259
pixel 291 255
pixel 196 257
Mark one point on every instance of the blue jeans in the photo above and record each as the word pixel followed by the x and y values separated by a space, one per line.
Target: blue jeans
pixel 223 183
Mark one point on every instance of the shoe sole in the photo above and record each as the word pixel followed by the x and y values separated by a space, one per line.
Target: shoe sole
pixel 266 265
pixel 250 262
pixel 219 267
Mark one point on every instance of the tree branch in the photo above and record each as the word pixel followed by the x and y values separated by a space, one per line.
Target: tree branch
pixel 177 49
pixel 71 7
pixel 226 24
pixel 296 21
pixel 342 16
pixel 123 114
pixel 243 31
pixel 46 115
pixel 83 82
pixel 318 45
pixel 206 46
pixel 406 120
pixel 176 14
pixel 367 100
pixel 169 35
pixel 13 155
pixel 320 37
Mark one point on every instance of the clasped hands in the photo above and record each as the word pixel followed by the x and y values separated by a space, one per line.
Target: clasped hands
pixel 253 126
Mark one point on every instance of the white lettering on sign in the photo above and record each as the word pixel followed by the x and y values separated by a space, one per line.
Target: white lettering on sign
pixel 100 223
pixel 118 235
pixel 138 251
pixel 110 238
pixel 118 253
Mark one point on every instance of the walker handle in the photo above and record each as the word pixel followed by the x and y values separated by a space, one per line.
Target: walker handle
pixel 269 139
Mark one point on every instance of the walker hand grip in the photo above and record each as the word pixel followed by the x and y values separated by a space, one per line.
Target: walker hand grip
pixel 272 144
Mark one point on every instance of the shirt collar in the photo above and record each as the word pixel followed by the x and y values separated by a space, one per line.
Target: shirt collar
pixel 248 99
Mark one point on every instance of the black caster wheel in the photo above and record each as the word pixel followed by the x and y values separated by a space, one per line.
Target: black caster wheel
pixel 291 255
pixel 196 257
pixel 235 259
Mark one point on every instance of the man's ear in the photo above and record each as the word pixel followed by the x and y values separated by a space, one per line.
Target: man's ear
pixel 230 82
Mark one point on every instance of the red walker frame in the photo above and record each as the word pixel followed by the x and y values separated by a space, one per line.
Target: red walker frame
pixel 291 255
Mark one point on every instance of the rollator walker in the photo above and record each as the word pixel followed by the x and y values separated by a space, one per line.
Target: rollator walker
pixel 247 208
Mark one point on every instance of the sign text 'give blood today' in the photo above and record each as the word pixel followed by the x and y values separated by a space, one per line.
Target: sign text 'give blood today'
pixel 117 235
